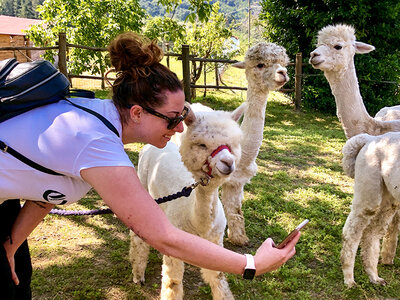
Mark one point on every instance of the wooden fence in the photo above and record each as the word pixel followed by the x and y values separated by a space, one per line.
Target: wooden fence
pixel 62 48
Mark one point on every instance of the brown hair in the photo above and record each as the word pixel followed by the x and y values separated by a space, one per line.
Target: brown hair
pixel 141 79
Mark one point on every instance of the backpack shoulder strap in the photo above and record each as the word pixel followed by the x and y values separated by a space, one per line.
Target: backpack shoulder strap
pixel 7 149
pixel 104 120
pixel 6 66
pixel 81 93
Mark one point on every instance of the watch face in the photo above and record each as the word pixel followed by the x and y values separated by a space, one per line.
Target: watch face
pixel 249 273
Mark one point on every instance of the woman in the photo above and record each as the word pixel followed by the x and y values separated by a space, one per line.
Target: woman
pixel 148 107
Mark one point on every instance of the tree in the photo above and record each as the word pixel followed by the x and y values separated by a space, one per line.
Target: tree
pixel 294 24
pixel 86 22
pixel 209 39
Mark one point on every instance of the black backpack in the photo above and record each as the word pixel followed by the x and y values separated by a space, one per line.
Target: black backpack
pixel 25 86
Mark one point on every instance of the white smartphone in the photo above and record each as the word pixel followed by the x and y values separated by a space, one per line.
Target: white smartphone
pixel 292 234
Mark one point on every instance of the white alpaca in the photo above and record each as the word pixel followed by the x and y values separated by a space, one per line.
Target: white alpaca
pixel 374 163
pixel 265 67
pixel 166 171
pixel 334 55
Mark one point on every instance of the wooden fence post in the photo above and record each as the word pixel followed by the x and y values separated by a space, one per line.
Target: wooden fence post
pixel 103 82
pixel 186 72
pixel 216 75
pixel 167 48
pixel 62 53
pixel 205 81
pixel 297 80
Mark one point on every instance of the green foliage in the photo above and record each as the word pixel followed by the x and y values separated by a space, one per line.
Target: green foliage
pixel 294 25
pixel 87 22
pixel 164 29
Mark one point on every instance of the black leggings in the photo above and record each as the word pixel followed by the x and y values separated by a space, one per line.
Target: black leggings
pixel 23 267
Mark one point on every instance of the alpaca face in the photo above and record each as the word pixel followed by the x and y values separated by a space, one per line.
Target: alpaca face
pixel 336 48
pixel 209 131
pixel 333 56
pixel 265 66
pixel 267 76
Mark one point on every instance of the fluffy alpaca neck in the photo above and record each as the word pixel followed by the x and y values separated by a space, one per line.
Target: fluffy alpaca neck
pixel 350 106
pixel 205 208
pixel 349 103
pixel 253 125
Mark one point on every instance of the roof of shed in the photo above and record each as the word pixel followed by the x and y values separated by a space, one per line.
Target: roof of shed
pixel 15 26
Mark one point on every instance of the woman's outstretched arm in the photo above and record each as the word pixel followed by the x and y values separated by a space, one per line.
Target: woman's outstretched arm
pixel 121 189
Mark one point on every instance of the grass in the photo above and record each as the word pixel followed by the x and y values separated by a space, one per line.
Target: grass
pixel 299 176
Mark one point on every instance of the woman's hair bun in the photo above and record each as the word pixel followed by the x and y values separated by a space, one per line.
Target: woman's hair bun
pixel 130 51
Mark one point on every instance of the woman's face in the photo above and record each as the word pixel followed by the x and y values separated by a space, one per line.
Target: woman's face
pixel 155 128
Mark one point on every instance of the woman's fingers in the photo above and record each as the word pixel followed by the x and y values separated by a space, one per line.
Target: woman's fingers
pixel 14 276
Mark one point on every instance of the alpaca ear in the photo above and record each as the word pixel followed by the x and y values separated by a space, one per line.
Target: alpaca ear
pixel 191 117
pixel 239 112
pixel 362 48
pixel 240 65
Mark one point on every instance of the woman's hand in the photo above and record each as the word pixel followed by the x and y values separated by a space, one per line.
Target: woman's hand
pixel 10 256
pixel 268 258
pixel 28 218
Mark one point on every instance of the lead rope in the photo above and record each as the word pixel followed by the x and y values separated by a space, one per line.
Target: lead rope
pixel 186 191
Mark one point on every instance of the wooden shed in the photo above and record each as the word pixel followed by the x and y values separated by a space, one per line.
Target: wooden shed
pixel 12 35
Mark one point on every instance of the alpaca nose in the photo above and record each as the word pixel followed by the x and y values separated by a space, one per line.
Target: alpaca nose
pixel 314 54
pixel 282 73
pixel 226 166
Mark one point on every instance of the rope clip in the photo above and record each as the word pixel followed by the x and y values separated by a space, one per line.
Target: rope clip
pixel 203 181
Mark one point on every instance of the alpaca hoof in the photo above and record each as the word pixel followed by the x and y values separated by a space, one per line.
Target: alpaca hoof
pixel 379 281
pixel 138 281
pixel 349 283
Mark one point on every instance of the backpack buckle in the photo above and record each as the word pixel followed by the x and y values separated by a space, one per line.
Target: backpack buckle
pixel 3 146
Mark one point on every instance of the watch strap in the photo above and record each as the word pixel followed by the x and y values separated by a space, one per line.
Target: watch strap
pixel 250 262
pixel 250 269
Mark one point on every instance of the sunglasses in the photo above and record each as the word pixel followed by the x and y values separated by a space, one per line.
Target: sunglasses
pixel 172 122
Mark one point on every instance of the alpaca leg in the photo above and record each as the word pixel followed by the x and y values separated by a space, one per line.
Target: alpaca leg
pixel 138 255
pixel 352 232
pixel 389 243
pixel 370 244
pixel 172 274
pixel 218 283
pixel 231 198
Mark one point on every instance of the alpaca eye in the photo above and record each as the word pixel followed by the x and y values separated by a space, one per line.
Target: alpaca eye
pixel 260 66
pixel 203 146
pixel 338 47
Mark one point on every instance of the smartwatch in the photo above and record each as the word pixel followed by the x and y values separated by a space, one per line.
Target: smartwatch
pixel 250 269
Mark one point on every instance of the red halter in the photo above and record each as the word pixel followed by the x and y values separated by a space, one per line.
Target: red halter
pixel 215 152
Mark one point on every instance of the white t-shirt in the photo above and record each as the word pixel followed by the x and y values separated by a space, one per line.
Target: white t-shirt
pixel 62 138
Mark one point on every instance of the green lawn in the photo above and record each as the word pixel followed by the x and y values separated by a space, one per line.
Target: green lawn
pixel 299 176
